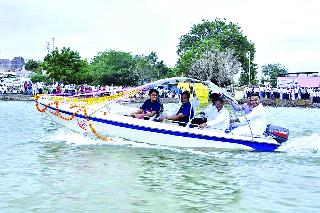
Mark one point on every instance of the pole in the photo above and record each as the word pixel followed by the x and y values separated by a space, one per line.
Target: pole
pixel 249 67
pixel 52 44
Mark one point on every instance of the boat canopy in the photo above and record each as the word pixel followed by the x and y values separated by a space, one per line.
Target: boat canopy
pixel 211 86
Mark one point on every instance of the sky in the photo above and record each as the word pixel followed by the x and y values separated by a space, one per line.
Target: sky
pixel 283 31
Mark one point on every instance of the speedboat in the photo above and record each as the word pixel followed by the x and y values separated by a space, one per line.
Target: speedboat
pixel 105 117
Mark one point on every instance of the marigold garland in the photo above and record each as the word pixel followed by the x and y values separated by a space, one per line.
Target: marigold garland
pixel 45 107
pixel 88 101
pixel 93 129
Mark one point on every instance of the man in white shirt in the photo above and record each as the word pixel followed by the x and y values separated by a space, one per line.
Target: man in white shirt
pixel 256 119
pixel 209 112
pixel 219 117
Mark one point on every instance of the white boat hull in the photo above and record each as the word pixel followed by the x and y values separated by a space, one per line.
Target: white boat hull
pixel 104 124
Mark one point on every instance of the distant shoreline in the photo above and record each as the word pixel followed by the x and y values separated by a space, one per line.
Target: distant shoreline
pixel 16 97
pixel 265 102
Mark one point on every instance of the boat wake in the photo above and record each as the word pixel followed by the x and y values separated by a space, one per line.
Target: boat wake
pixel 302 144
pixel 72 138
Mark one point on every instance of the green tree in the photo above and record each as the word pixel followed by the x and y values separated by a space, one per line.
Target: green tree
pixel 65 66
pixel 122 68
pixel 272 71
pixel 32 65
pixel 162 71
pixel 38 77
pixel 216 35
pixel 152 58
pixel 114 67
pixel 158 69
pixel 143 69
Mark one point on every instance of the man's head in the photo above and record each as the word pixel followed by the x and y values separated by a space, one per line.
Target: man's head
pixel 153 93
pixel 254 99
pixel 185 96
pixel 218 103
pixel 214 97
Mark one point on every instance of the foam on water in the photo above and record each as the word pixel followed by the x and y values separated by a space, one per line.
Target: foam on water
pixel 78 139
pixel 70 137
pixel 73 138
pixel 302 144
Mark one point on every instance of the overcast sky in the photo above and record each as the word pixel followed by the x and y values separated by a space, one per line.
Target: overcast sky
pixel 283 31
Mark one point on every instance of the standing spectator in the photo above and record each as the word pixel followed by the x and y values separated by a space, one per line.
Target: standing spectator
pixel 29 88
pixel 82 89
pixel 293 97
pixel 261 91
pixel 25 85
pixel 58 88
pixel 35 89
pixel 268 91
pixel 40 87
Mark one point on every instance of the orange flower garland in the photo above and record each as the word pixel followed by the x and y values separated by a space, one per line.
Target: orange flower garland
pixel 93 130
pixel 82 108
pixel 45 107
pixel 57 113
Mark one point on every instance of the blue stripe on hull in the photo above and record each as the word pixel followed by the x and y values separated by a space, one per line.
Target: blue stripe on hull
pixel 266 147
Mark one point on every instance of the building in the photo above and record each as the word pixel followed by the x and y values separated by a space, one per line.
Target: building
pixel 23 73
pixel 301 79
pixel 5 64
pixel 17 63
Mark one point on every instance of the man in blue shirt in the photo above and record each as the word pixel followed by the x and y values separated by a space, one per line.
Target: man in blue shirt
pixel 246 107
pixel 185 113
pixel 150 107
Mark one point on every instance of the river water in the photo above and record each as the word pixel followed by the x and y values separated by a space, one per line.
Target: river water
pixel 48 168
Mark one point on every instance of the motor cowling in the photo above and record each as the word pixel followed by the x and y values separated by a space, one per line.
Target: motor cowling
pixel 278 133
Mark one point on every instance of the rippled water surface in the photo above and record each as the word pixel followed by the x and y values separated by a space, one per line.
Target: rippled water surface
pixel 48 168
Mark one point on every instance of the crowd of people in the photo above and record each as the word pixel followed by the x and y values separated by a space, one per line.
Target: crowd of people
pixel 286 93
pixel 29 88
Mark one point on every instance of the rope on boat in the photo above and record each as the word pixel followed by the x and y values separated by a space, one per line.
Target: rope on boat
pixel 249 126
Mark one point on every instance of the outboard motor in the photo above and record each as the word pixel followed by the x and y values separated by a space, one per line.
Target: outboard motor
pixel 278 133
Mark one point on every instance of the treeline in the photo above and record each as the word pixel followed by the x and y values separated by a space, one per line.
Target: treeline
pixel 109 67
pixel 212 50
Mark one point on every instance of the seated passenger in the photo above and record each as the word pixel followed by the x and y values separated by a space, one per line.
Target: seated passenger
pixel 184 114
pixel 220 117
pixel 208 113
pixel 255 120
pixel 150 107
